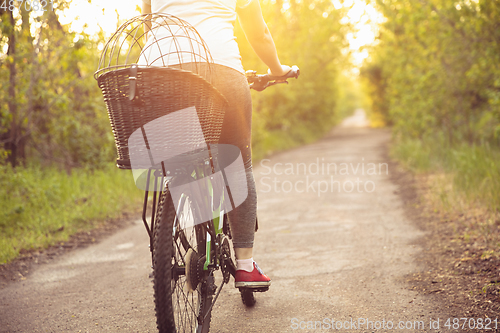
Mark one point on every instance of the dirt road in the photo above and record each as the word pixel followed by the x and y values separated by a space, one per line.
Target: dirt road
pixel 333 237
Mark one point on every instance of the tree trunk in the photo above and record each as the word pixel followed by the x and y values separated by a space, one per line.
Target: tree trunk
pixel 12 133
pixel 15 138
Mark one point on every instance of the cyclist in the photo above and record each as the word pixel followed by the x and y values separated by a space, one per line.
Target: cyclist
pixel 214 20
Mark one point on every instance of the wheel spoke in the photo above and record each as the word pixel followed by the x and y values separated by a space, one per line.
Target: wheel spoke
pixel 184 308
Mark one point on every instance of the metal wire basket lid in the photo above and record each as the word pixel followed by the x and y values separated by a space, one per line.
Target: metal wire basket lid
pixel 170 41
pixel 140 89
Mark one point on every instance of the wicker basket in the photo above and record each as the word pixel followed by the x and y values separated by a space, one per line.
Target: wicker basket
pixel 135 97
pixel 145 76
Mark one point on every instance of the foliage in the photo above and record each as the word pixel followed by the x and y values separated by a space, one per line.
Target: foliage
pixel 308 34
pixel 435 69
pixel 52 110
pixel 434 74
pixel 350 96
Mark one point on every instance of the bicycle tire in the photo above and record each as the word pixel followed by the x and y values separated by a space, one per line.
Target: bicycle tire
pixel 247 297
pixel 178 310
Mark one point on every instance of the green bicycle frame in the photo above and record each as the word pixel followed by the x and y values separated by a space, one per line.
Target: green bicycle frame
pixel 217 212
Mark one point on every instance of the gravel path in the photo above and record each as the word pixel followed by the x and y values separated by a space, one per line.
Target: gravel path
pixel 335 242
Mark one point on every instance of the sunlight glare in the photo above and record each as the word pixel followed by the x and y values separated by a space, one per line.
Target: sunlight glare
pixel 99 14
pixel 337 4
pixel 366 20
pixel 349 3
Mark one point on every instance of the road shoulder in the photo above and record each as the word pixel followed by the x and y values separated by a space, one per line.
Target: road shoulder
pixel 466 284
pixel 29 260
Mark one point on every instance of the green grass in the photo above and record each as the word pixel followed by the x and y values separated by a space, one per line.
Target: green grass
pixel 462 189
pixel 265 143
pixel 274 142
pixel 473 170
pixel 41 207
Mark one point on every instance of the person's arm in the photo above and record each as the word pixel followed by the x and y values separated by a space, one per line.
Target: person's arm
pixel 146 9
pixel 260 38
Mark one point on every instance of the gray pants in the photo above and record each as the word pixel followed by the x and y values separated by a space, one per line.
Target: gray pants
pixel 237 131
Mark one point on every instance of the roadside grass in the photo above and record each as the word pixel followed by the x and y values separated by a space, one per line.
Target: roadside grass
pixel 274 141
pixel 40 207
pixel 464 186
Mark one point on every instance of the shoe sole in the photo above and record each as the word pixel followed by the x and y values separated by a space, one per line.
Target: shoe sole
pixel 253 284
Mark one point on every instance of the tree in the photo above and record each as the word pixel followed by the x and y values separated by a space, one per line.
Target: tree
pixel 307 33
pixel 54 111
pixel 438 66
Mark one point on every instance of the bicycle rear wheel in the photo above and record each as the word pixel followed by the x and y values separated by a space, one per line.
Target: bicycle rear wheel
pixel 178 309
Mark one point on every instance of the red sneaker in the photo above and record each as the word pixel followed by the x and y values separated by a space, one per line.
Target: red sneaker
pixel 254 279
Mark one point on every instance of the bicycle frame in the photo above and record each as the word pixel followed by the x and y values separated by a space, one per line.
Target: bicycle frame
pixel 216 229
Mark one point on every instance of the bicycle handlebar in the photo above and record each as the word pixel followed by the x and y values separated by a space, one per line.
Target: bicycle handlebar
pixel 260 82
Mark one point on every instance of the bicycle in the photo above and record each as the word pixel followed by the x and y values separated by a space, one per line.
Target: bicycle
pixel 199 251
pixel 189 235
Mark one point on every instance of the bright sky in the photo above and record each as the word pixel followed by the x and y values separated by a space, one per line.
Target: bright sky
pixel 366 20
pixel 81 13
pixel 103 13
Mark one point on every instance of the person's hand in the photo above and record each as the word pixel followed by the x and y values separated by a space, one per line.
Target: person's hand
pixel 284 70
